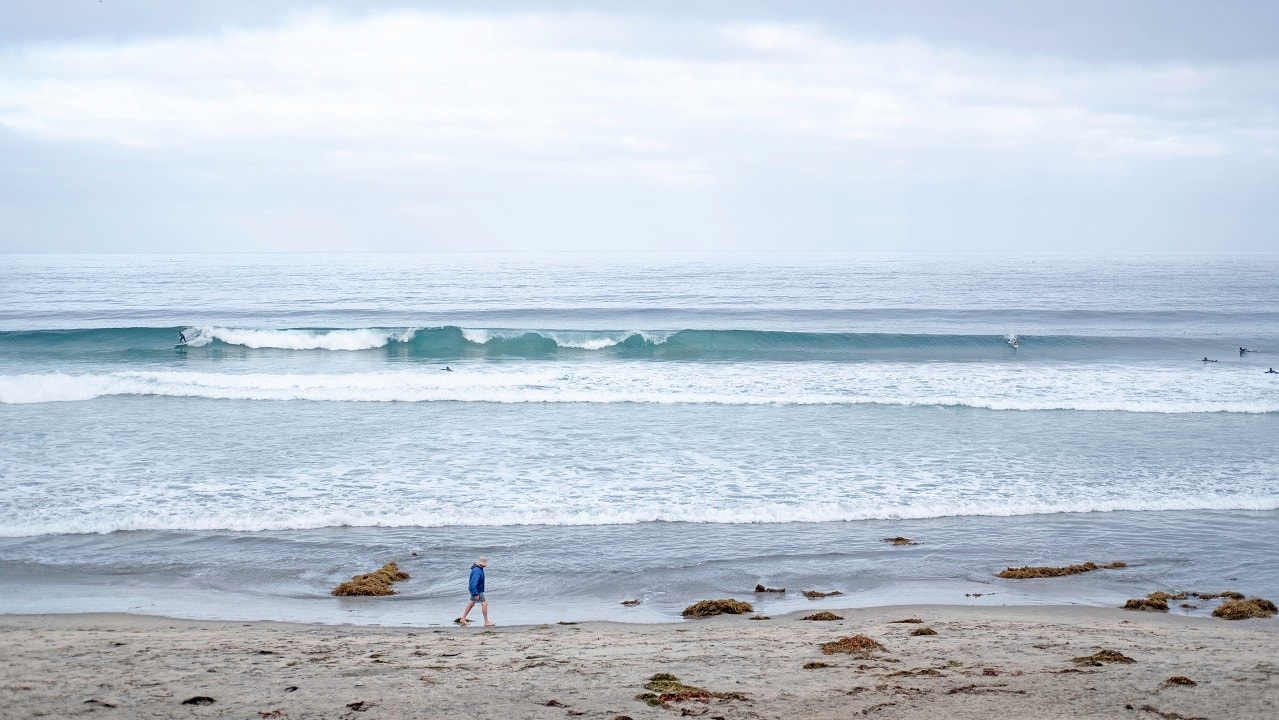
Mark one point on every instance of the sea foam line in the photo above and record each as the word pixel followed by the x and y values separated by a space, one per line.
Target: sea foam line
pixel 250 519
pixel 558 386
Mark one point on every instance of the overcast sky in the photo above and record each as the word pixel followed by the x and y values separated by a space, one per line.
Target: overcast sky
pixel 900 125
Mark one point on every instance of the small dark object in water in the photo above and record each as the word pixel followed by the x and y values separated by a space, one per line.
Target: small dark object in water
pixel 814 594
pixel 291 688
pixel 1046 572
pixel 199 700
pixel 762 589
pixel 99 703
pixel 899 540
pixel 630 603
pixel 923 631
pixel 1179 680
pixel 1227 594
pixel 554 703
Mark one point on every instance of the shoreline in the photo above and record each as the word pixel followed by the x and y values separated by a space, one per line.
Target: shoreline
pixel 1010 661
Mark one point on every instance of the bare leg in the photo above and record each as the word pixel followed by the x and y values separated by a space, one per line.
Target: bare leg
pixel 467 611
pixel 484 608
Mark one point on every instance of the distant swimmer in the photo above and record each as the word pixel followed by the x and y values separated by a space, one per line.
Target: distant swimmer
pixel 1271 371
pixel 1243 350
pixel 1207 360
pixel 446 368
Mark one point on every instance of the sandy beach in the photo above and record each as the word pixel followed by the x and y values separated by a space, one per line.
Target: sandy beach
pixel 982 662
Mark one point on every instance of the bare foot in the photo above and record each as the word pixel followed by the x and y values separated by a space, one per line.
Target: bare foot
pixel 462 621
pixel 490 625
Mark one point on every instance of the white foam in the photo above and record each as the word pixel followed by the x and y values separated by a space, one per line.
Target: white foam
pixel 358 339
pixel 1091 388
pixel 573 512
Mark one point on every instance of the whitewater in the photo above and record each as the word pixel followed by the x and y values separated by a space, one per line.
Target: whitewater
pixel 706 421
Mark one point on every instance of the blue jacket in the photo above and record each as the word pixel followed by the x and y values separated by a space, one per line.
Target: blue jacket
pixel 477 580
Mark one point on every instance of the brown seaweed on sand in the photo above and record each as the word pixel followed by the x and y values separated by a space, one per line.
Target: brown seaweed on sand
pixel 923 631
pixel 1161 595
pixel 1147 604
pixel 666 688
pixel 762 589
pixel 823 615
pixel 377 582
pixel 815 665
pixel 915 621
pixel 899 540
pixel 1103 656
pixel 854 645
pixel 1179 680
pixel 1235 609
pixel 1046 572
pixel 707 608
pixel 814 594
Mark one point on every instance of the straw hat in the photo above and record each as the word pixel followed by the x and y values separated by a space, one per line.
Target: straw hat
pixel 483 561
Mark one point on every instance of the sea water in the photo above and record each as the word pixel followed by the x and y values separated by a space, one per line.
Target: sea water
pixel 665 428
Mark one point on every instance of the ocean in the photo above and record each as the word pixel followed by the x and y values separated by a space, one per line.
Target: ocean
pixel 662 428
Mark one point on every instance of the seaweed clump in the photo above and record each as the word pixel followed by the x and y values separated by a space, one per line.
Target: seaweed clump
pixel 375 583
pixel 1046 572
pixel 1179 680
pixel 762 589
pixel 913 621
pixel 1227 594
pixel 815 665
pixel 814 594
pixel 707 608
pixel 1103 656
pixel 853 645
pixel 899 540
pixel 1161 595
pixel 1150 604
pixel 823 615
pixel 923 631
pixel 1235 609
pixel 666 688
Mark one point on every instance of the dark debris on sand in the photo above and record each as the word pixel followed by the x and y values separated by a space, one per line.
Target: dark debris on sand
pixel 665 688
pixel 1235 609
pixel 707 608
pixel 1101 657
pixel 859 645
pixel 823 615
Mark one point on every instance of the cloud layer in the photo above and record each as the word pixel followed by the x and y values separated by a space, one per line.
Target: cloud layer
pixel 411 130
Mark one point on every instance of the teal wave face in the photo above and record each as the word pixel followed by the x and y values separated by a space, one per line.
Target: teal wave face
pixel 449 342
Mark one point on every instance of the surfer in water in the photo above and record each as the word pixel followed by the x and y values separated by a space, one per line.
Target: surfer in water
pixel 1207 360
pixel 182 337
pixel 446 368
pixel 1271 371
pixel 1242 350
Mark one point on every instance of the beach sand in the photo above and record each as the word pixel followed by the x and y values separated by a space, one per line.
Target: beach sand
pixel 984 662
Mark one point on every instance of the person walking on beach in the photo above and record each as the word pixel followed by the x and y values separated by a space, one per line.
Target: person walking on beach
pixel 476 588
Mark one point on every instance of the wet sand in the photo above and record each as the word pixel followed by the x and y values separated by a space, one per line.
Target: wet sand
pixel 983 662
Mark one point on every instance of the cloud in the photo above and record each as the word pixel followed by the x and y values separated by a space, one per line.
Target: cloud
pixel 719 112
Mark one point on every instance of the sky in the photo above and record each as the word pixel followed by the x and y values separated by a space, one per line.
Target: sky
pixel 261 125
